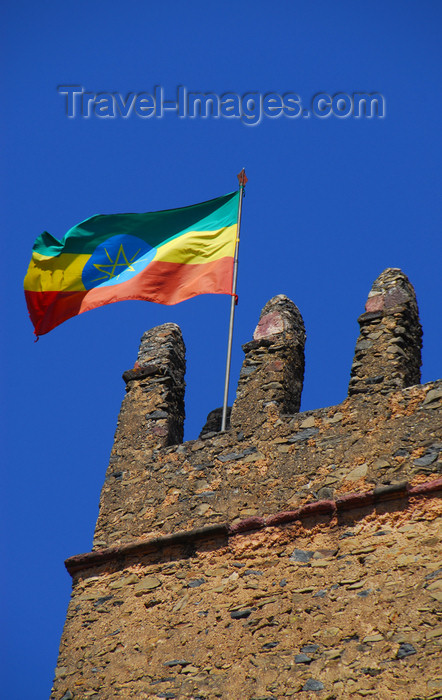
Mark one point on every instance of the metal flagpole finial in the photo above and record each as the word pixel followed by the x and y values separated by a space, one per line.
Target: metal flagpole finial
pixel 242 178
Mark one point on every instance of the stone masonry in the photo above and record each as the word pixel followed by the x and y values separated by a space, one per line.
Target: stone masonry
pixel 295 554
pixel 388 351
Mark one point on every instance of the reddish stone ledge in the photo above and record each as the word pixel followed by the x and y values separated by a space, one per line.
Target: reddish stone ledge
pixel 98 557
pixel 247 525
pixel 307 511
pixel 426 489
pixel 348 502
pixel 355 500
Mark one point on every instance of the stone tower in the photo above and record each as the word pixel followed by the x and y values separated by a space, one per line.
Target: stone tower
pixel 294 555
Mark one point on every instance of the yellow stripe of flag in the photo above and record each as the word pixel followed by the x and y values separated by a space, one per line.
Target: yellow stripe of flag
pixel 199 247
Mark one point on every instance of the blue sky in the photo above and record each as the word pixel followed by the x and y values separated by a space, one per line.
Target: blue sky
pixel 330 203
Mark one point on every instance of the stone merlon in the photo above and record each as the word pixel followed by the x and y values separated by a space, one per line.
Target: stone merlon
pixel 272 374
pixel 388 350
pixel 151 415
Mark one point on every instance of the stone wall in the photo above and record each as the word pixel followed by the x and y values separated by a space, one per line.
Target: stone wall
pixel 293 554
pixel 265 614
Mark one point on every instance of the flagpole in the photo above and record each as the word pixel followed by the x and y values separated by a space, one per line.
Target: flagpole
pixel 242 179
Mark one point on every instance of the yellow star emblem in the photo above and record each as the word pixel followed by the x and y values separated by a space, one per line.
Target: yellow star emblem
pixel 121 261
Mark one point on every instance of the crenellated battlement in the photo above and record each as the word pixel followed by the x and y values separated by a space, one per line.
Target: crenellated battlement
pixel 272 559
pixel 272 457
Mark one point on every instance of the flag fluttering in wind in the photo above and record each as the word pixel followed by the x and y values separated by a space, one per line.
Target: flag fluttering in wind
pixel 165 257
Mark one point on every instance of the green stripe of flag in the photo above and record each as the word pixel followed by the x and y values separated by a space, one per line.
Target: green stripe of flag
pixel 156 228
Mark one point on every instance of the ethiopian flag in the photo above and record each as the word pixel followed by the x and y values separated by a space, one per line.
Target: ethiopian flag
pixel 164 256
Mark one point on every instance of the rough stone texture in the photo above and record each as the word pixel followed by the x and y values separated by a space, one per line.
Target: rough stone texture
pixel 388 350
pixel 151 417
pixel 272 374
pixel 369 586
pixel 214 420
pixel 295 555
pixel 364 442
